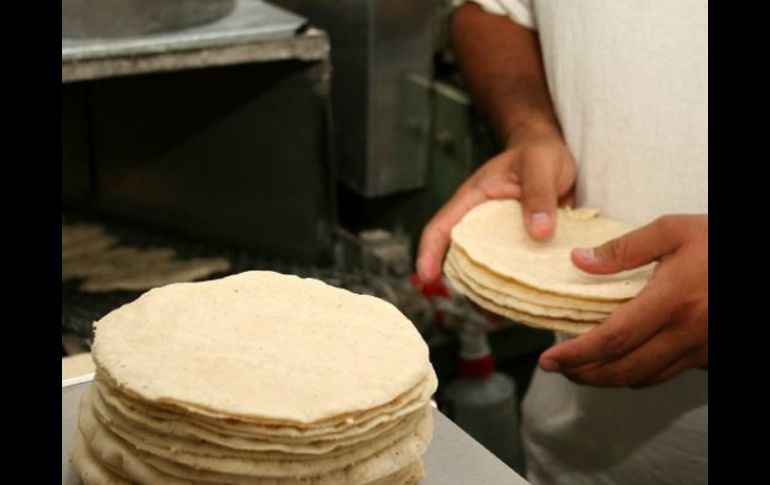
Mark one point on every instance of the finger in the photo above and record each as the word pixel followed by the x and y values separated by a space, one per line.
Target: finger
pixel 436 236
pixel 495 179
pixel 639 247
pixel 640 365
pixel 625 329
pixel 539 196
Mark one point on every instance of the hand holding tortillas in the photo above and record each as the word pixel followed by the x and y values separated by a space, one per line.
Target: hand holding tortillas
pixel 661 332
pixel 497 265
pixel 539 170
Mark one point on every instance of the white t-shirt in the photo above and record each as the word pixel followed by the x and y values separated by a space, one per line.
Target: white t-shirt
pixel 629 82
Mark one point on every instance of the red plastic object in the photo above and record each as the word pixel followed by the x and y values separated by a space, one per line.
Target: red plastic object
pixel 477 367
pixel 437 288
pixel 433 290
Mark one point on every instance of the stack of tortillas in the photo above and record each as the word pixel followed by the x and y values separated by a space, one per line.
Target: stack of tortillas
pixel 90 254
pixel 495 263
pixel 252 379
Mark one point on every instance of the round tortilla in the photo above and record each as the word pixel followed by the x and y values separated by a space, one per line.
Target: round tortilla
pixel 559 325
pixel 488 279
pixel 524 306
pixel 183 428
pixel 72 235
pixel 116 260
pixel 154 274
pixel 136 465
pixel 343 425
pixel 91 471
pixel 200 456
pixel 261 346
pixel 493 235
pixel 131 431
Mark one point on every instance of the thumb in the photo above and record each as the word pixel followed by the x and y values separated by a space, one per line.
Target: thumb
pixel 539 198
pixel 644 245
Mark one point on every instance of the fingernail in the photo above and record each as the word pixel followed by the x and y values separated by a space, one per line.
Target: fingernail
pixel 549 365
pixel 586 254
pixel 540 220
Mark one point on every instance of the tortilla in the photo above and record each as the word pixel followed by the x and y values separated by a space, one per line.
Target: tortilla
pixel 493 236
pixel 74 234
pixel 156 274
pixel 215 444
pixel 87 248
pixel 181 451
pixel 524 306
pixel 251 436
pixel 91 471
pixel 116 260
pixel 258 378
pixel 486 278
pixel 139 466
pixel 265 331
pixel 559 325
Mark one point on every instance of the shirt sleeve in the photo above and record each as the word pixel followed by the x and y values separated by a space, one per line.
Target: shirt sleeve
pixel 520 11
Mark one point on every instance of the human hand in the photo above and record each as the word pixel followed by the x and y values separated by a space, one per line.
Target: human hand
pixel 662 331
pixel 539 170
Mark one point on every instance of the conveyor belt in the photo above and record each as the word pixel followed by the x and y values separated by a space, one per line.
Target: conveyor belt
pixel 80 310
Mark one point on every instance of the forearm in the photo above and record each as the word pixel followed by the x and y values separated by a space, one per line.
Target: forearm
pixel 502 66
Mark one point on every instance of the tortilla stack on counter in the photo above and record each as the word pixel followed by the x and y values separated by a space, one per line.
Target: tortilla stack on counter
pixel 256 378
pixel 497 265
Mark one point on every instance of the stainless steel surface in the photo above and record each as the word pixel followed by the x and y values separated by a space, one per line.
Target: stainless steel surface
pixel 213 153
pixel 71 390
pixel 118 18
pixel 378 48
pixel 453 457
pixel 309 45
pixel 400 57
pixel 236 155
pixel 250 21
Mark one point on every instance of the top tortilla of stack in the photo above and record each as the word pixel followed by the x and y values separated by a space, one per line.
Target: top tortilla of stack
pixel 493 235
pixel 252 347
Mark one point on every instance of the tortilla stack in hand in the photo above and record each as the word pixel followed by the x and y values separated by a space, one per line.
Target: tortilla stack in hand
pixel 496 264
